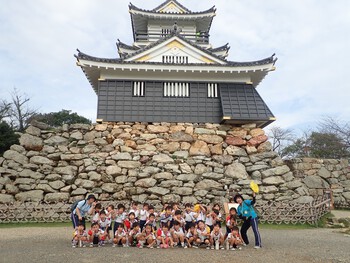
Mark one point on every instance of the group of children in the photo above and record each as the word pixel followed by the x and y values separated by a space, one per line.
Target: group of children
pixel 195 226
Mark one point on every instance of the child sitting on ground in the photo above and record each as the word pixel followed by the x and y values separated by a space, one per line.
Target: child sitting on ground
pixel 203 234
pixel 234 239
pixel 178 234
pixel 147 237
pixel 80 236
pixel 96 235
pixel 120 236
pixel 134 235
pixel 217 238
pixel 191 236
pixel 164 239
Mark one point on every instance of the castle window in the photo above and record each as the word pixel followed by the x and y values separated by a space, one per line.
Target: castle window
pixel 138 89
pixel 176 89
pixel 212 90
pixel 175 59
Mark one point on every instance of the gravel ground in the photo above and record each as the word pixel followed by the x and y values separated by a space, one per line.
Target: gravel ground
pixel 33 244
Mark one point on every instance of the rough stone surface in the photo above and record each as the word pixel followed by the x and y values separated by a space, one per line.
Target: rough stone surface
pixel 161 162
pixel 57 197
pixel 199 148
pixel 34 196
pixel 30 142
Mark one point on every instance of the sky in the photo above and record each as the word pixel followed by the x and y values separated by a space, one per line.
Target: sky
pixel 311 39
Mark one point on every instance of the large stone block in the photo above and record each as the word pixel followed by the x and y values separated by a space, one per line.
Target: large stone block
pixel 45 187
pixel 158 190
pixel 235 151
pixel 34 196
pixel 57 197
pixel 157 129
pixel 170 183
pixel 163 158
pixel 181 137
pixel 235 141
pixel 146 182
pixel 110 187
pixel 129 164
pixel 163 176
pixel 122 156
pixel 6 199
pixel 208 184
pixel 113 170
pixel 40 160
pixel 200 148
pixel 31 143
pixel 182 190
pixel 15 156
pixel 275 180
pixel 56 140
pixel 315 182
pixel 187 177
pixel 69 170
pixel 236 171
pixel 212 139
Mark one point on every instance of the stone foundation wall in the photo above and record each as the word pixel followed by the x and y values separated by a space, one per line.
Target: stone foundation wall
pixel 318 174
pixel 157 162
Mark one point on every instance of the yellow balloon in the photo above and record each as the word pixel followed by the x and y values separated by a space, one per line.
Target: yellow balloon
pixel 254 187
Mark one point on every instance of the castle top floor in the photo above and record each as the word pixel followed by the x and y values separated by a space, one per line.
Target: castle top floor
pixel 170 17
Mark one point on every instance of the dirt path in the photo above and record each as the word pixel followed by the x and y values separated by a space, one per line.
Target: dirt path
pixel 34 244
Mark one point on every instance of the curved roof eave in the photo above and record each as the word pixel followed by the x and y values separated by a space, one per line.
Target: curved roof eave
pixel 210 11
pixel 270 60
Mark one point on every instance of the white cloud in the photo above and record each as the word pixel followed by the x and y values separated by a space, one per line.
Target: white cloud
pixel 310 38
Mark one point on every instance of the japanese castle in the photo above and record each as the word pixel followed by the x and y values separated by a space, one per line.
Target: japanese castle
pixel 171 73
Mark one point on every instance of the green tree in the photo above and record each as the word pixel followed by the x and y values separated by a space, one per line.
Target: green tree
pixel 7 137
pixel 56 119
pixel 328 146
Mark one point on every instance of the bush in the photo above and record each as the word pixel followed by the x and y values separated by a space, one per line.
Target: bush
pixel 7 137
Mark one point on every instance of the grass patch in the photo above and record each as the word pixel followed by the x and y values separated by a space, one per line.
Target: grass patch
pixel 286 226
pixel 35 224
pixel 324 220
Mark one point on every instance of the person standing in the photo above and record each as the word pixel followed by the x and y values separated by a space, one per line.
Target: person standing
pixel 246 211
pixel 83 208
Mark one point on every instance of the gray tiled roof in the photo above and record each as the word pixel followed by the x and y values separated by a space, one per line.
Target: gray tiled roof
pixel 265 61
pixel 168 37
pixel 243 102
pixel 153 11
pixel 224 47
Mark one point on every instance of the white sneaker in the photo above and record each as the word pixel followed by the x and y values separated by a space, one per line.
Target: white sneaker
pixel 185 246
pixel 208 247
pixel 212 247
pixel 113 245
pixel 233 249
pixel 239 248
pixel 257 247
